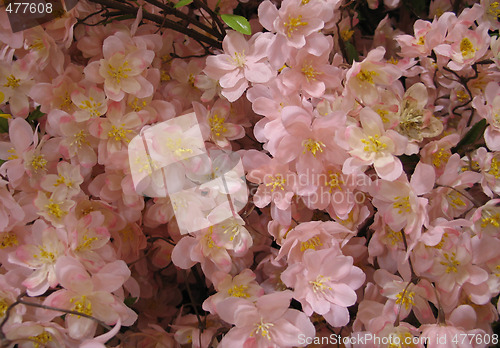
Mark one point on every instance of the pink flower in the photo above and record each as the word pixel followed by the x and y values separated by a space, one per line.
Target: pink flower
pixel 267 322
pixel 363 78
pixel 89 295
pixel 241 62
pixel 322 288
pixel 488 106
pixel 121 68
pixel 373 145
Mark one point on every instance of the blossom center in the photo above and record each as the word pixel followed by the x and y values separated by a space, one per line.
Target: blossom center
pixel 277 181
pixel 118 73
pixel 440 157
pixel 118 133
pixel 372 144
pixel 293 24
pixel 176 147
pixel 217 125
pixel 45 256
pixel 79 139
pixel 54 209
pixel 41 339
pixel 263 329
pixel 12 82
pixel 82 305
pixel 38 162
pixel 8 240
pixel 335 181
pixel 405 298
pixel 366 76
pixel 493 9
pixel 238 291
pixel 311 243
pixel 91 106
pixel 309 72
pixel 3 307
pixel 494 168
pixel 467 48
pixel 319 285
pixel 313 146
pixel 239 59
pixel 402 204
pixel 451 263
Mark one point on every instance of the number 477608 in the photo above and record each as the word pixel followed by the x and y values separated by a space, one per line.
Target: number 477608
pixel 29 7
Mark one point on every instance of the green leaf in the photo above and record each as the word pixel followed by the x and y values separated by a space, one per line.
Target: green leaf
pixel 4 125
pixel 129 301
pixel 35 115
pixel 471 136
pixel 352 53
pixel 183 3
pixel 238 23
pixel 2 162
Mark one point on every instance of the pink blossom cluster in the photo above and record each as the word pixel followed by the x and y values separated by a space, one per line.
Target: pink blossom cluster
pixel 373 180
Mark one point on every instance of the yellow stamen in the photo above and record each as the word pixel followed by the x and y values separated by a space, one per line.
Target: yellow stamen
pixel 293 24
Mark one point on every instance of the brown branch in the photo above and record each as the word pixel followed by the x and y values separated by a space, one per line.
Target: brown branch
pixel 168 23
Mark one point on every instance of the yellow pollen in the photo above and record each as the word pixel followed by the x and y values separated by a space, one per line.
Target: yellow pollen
pixel 37 45
pixel 79 139
pixel 494 168
pixel 393 237
pixel 292 24
pixel 421 41
pixel 38 162
pixel 191 80
pixel 497 271
pixel 455 200
pixel 405 298
pixel 366 76
pixel 178 150
pixel 312 146
pixel 239 59
pixel 209 240
pixel 13 152
pixel 86 243
pixel 373 144
pixel 118 73
pixel 91 106
pixel 467 48
pixel 216 124
pixel 54 209
pixel 304 2
pixel 346 34
pixel 41 340
pixel 440 157
pixel 65 102
pixel 119 133
pixel 263 329
pixel 134 104
pixel 494 9
pixel 490 219
pixel 3 307
pixel 402 204
pixel 277 181
pixel 311 243
pixel 309 72
pixel 164 76
pixel 238 291
pixel 451 263
pixel 83 305
pixel 12 82
pixel 8 240
pixel 335 181
pixel 393 61
pixel 383 115
pixel 319 285
pixel 462 96
pixel 442 241
pixel 44 255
